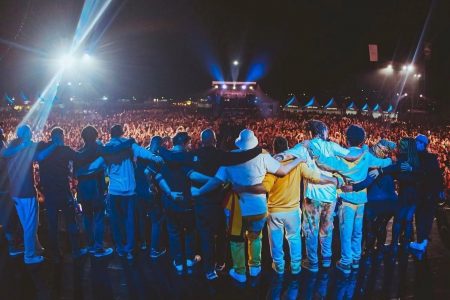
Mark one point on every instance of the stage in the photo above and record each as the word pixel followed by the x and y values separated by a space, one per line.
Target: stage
pixel 116 278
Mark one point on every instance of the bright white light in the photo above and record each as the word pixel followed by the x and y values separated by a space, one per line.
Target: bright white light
pixel 389 67
pixel 86 58
pixel 244 87
pixel 216 86
pixel 80 83
pixel 234 87
pixel 224 86
pixel 251 87
pixel 69 83
pixel 405 94
pixel 419 75
pixel 66 61
pixel 404 67
pixel 410 67
pixel 398 94
pixel 421 96
pixel 236 63
pixel 104 98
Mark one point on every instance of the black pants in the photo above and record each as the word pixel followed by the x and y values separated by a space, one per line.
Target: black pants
pixel 9 219
pixel 425 212
pixel 54 204
pixel 375 222
pixel 210 221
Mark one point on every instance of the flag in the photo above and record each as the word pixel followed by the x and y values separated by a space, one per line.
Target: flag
pixel 373 52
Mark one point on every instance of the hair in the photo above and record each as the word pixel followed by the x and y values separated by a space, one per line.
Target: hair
pixel 181 138
pixel 116 131
pixel 23 131
pixel 355 135
pixel 89 134
pixel 317 128
pixel 208 137
pixel 56 131
pixel 280 144
pixel 156 140
pixel 408 146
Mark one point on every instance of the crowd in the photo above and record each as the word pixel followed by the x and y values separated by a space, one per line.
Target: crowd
pixel 171 167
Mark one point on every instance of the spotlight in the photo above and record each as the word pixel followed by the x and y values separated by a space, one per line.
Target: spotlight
pixel 234 87
pixel 421 96
pixel 235 63
pixel 389 66
pixel 69 83
pixel 405 94
pixel 104 98
pixel 404 67
pixel 216 86
pixel 419 75
pixel 251 87
pixel 410 67
pixel 66 61
pixel 86 58
pixel 224 86
pixel 244 87
pixel 398 94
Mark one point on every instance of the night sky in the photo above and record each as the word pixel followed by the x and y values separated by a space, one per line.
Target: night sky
pixel 176 48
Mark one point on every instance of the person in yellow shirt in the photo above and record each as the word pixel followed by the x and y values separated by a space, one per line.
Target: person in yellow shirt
pixel 284 208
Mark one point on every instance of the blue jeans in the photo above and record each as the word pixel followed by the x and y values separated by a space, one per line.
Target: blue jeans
pixel 122 221
pixel 93 216
pixel 277 223
pixel 350 227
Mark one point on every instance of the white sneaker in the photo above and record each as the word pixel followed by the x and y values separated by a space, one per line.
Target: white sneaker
pixel 238 277
pixel 33 260
pixel 254 271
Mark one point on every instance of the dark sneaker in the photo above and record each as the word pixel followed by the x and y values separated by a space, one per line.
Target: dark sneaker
pixel 326 262
pixel 155 253
pixel 120 252
pixel 355 264
pixel 13 251
pixel 103 252
pixel 220 267
pixel 81 252
pixel 346 269
pixel 211 275
pixel 312 267
pixel 143 246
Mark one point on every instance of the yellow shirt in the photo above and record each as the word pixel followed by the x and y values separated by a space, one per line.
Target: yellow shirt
pixel 284 192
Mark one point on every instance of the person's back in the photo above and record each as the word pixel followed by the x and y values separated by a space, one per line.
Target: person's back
pixel 176 177
pixel 20 173
pixel 120 170
pixel 54 171
pixel 249 173
pixel 93 185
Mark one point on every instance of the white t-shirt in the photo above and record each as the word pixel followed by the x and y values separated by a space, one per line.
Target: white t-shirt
pixel 319 192
pixel 250 173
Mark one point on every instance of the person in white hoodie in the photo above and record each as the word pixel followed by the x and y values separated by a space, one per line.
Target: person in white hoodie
pixel 122 188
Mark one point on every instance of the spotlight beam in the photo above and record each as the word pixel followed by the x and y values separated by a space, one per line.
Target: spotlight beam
pixel 90 16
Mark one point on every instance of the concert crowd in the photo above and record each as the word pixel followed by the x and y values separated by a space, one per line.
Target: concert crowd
pixel 221 180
